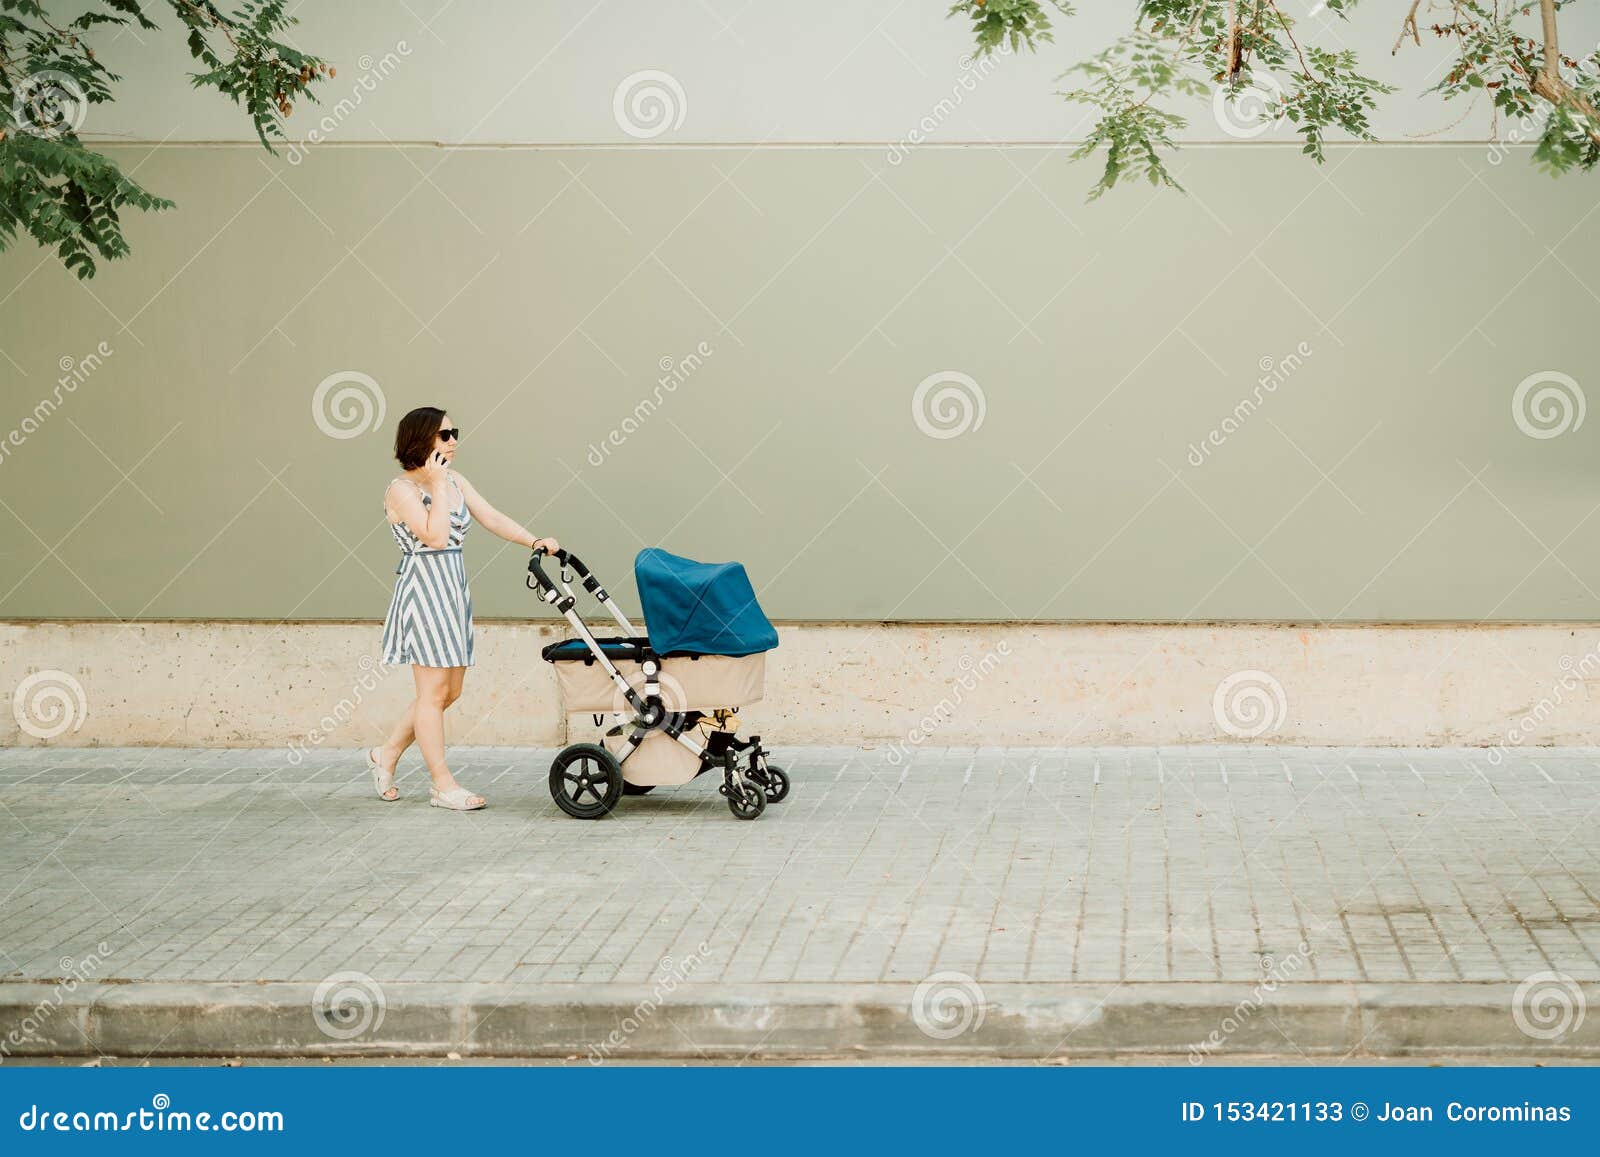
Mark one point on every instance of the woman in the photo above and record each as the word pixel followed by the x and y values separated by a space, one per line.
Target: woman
pixel 429 624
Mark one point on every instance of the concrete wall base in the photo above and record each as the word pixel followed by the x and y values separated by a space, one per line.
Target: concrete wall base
pixel 311 684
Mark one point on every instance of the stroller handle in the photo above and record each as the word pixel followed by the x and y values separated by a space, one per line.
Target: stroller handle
pixel 542 582
pixel 559 594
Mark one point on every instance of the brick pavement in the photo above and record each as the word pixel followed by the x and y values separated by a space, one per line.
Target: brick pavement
pixel 1009 865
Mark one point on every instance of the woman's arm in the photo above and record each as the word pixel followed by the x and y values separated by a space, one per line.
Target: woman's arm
pixel 430 523
pixel 501 525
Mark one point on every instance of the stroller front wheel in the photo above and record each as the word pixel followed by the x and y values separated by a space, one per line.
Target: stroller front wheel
pixel 776 782
pixel 746 801
pixel 586 781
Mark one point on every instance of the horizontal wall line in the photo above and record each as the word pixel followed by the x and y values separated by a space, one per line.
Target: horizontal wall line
pixel 764 146
pixel 896 624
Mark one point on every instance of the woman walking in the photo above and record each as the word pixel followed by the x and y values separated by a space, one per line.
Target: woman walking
pixel 429 625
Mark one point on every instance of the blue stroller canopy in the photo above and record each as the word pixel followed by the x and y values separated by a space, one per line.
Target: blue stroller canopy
pixel 699 608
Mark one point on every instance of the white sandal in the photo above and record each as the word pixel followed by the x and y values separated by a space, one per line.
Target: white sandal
pixel 382 781
pixel 455 799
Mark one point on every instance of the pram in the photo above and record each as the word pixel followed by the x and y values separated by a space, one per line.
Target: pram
pixel 674 695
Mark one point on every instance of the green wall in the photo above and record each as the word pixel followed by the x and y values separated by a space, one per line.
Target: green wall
pixel 536 292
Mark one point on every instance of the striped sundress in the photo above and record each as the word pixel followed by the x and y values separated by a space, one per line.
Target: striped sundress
pixel 429 622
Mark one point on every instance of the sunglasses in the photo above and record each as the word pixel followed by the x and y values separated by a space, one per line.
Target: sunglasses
pixel 450 435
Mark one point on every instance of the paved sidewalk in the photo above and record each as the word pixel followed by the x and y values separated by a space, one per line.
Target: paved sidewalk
pixel 1012 867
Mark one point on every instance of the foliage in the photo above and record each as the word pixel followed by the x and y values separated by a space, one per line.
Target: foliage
pixel 1252 60
pixel 64 194
pixel 1011 23
pixel 1493 57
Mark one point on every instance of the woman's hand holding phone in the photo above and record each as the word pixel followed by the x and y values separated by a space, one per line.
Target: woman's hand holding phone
pixel 435 473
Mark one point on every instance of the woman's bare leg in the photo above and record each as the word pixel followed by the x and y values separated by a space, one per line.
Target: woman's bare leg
pixel 399 739
pixel 405 729
pixel 437 688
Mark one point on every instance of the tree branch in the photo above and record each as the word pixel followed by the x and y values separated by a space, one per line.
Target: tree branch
pixel 1409 24
pixel 1547 82
pixel 1305 68
pixel 1231 68
pixel 1552 47
pixel 213 18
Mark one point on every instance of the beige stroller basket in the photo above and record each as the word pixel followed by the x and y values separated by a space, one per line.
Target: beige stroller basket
pixel 709 685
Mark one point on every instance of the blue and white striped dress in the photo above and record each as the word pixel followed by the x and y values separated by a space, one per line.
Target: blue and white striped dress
pixel 430 617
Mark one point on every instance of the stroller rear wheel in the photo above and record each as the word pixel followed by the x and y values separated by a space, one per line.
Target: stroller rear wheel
pixel 586 781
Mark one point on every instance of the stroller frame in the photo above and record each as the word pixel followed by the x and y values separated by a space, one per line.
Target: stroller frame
pixel 600 772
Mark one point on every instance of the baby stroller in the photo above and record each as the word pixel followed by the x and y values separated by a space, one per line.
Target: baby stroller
pixel 673 694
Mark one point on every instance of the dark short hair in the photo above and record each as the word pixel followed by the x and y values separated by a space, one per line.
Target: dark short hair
pixel 415 436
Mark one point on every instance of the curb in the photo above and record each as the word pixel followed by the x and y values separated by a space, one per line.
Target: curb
pixel 616 1022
